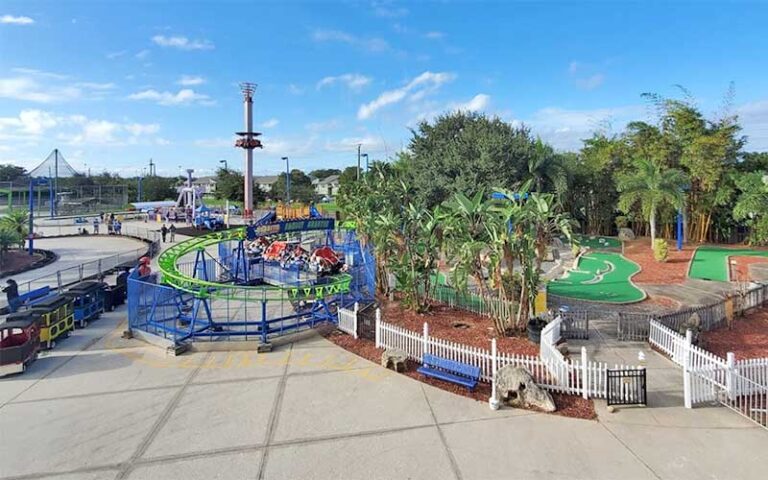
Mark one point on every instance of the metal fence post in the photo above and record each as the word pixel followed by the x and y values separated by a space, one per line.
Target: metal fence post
pixel 584 373
pixel 99 268
pixel 425 349
pixel 378 328
pixel 493 402
pixel 80 272
pixel 58 279
pixel 688 401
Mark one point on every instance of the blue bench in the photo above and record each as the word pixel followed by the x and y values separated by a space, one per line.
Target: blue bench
pixel 26 299
pixel 449 370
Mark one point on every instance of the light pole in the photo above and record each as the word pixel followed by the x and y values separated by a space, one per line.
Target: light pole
pixel 366 162
pixel 358 160
pixel 32 183
pixel 287 181
pixel 226 168
pixel 141 178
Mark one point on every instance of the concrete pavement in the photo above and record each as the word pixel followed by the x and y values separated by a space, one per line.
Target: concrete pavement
pixel 102 407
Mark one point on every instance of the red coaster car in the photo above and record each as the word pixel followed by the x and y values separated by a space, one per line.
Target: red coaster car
pixel 19 342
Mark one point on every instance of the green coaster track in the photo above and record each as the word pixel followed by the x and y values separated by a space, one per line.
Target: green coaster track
pixel 167 263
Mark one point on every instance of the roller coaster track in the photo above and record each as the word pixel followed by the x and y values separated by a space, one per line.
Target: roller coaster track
pixel 167 263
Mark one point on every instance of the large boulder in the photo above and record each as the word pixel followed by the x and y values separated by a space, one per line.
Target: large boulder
pixel 516 386
pixel 626 234
pixel 694 325
pixel 394 357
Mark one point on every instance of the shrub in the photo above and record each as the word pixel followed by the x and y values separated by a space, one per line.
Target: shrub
pixel 660 250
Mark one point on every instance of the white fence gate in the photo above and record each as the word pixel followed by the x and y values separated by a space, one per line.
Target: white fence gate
pixel 348 320
pixel 741 386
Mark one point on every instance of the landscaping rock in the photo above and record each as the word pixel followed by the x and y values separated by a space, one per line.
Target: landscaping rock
pixel 626 234
pixel 694 325
pixel 394 357
pixel 516 386
pixel 563 348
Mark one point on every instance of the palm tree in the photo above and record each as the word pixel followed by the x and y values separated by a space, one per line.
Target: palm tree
pixel 8 238
pixel 652 186
pixel 546 169
pixel 17 221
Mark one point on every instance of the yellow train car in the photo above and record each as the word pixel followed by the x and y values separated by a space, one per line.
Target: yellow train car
pixel 287 212
pixel 57 318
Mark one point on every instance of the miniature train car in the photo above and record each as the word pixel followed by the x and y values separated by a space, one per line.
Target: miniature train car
pixel 88 300
pixel 19 342
pixel 57 318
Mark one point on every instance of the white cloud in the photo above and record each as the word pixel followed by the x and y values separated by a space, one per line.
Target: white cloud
pixel 434 35
pixel 28 89
pixel 323 126
pixel 388 10
pixel 591 82
pixel 415 90
pixel 40 73
pixel 142 54
pixel 353 81
pixel 272 122
pixel 32 125
pixel 12 20
pixel 368 143
pixel 185 96
pixel 754 120
pixel 182 43
pixel 478 103
pixel 294 89
pixel 190 80
pixel 114 55
pixel 369 44
pixel 584 75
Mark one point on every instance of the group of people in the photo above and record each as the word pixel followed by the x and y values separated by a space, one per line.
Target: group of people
pixel 165 230
pixel 114 224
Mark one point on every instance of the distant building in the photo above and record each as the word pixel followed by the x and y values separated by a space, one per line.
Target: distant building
pixel 328 186
pixel 205 184
pixel 264 182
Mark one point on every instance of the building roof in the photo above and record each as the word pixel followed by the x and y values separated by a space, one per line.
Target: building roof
pixel 265 179
pixel 329 180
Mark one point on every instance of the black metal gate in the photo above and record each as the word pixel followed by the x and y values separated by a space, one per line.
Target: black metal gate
pixel 626 386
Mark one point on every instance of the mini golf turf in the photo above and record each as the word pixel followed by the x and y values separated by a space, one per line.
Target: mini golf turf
pixel 614 286
pixel 596 242
pixel 711 263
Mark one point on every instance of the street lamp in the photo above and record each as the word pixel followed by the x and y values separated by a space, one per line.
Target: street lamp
pixel 138 193
pixel 287 181
pixel 366 161
pixel 226 168
pixel 32 183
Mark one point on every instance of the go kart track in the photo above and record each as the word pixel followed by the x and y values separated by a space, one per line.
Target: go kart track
pixel 600 277
pixel 229 285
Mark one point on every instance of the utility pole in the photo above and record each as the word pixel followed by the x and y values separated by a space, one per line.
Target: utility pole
pixel 358 160
pixel 152 170
pixel 287 181
pixel 226 167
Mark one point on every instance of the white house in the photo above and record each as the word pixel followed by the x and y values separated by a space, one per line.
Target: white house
pixel 328 186
pixel 264 182
pixel 205 184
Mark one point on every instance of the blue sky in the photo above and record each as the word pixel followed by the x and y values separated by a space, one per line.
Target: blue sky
pixel 113 83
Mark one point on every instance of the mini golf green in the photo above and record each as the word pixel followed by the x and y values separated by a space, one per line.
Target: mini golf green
pixel 600 277
pixel 596 242
pixel 711 263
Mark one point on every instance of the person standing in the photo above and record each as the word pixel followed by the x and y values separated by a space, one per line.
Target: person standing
pixel 95 226
pixel 172 231
pixel 12 294
pixel 164 232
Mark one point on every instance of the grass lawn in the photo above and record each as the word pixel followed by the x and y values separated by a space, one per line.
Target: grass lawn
pixel 211 201
pixel 600 277
pixel 711 263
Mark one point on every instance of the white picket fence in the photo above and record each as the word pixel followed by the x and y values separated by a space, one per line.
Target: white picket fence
pixel 555 373
pixel 348 320
pixel 741 386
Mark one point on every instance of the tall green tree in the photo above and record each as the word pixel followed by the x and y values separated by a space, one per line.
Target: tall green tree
pixel 752 205
pixel 651 186
pixel 302 189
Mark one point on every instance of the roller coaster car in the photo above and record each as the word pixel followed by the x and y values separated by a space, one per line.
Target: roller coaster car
pixel 57 318
pixel 88 300
pixel 19 342
pixel 327 259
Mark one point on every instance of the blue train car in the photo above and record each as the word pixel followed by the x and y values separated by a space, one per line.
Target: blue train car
pixel 88 300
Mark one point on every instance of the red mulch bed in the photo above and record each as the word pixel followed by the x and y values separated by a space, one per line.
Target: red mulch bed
pixel 567 405
pixel 747 337
pixel 475 331
pixel 674 270
pixel 17 259
pixel 740 271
